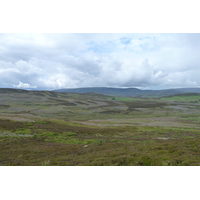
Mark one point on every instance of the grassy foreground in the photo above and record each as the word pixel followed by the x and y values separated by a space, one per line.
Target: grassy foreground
pixel 47 128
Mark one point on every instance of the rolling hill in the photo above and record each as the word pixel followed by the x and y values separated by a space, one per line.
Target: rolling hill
pixel 130 92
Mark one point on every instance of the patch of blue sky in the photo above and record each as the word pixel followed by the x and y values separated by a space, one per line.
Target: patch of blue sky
pixel 101 47
pixel 144 38
pixel 125 40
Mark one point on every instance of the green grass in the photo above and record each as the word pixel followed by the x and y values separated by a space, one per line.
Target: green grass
pixel 23 131
pixel 189 98
pixel 123 99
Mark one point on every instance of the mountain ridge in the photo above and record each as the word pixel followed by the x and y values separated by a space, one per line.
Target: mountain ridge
pixel 130 92
pixel 118 92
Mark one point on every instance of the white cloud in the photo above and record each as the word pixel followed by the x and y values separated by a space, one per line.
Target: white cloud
pixel 24 85
pixel 84 60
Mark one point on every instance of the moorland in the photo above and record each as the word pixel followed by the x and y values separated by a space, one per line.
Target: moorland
pixel 41 128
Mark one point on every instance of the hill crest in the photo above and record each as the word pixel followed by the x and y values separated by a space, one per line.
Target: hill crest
pixel 118 92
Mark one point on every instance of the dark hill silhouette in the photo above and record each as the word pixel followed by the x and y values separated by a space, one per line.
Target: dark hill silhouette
pixel 130 92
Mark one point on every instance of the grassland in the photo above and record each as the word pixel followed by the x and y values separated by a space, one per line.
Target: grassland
pixel 49 128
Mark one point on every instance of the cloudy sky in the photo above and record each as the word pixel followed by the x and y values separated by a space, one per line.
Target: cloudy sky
pixel 53 61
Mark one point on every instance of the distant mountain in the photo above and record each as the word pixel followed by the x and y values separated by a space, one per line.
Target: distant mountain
pixel 118 92
pixel 104 90
pixel 130 92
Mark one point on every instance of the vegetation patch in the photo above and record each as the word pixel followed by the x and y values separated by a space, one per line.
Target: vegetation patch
pixel 4 106
pixel 23 131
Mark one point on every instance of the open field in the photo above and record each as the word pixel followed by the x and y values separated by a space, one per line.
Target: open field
pixel 49 128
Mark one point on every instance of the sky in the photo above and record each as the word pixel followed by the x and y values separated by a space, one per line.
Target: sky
pixel 71 60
